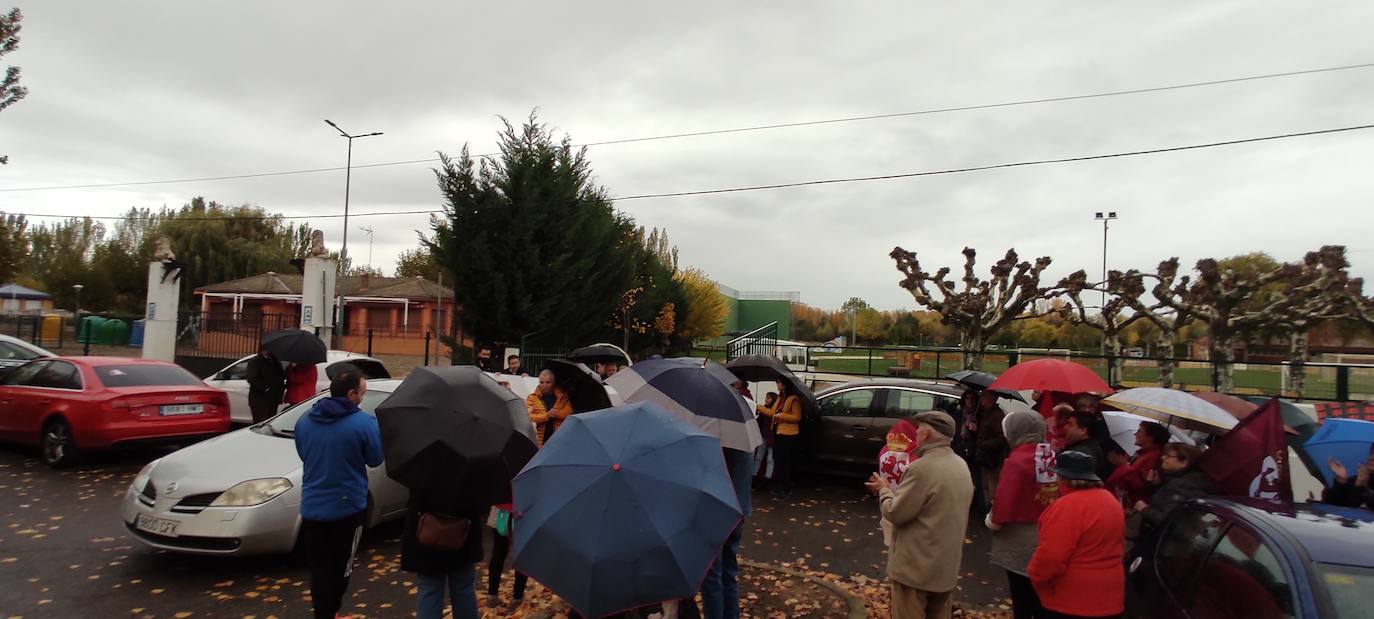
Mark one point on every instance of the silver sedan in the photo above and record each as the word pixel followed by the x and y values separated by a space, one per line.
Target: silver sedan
pixel 240 493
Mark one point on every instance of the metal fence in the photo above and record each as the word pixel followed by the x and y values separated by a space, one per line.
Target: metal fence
pixel 1323 381
pixel 205 340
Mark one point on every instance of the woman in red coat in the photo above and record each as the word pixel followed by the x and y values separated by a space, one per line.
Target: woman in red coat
pixel 1077 566
pixel 301 384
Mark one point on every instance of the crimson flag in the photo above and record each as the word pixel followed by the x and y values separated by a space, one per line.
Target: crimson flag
pixel 1252 458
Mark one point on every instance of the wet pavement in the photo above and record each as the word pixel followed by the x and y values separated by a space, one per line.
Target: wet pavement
pixel 64 552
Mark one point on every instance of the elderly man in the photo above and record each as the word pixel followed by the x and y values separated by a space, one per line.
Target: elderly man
pixel 929 515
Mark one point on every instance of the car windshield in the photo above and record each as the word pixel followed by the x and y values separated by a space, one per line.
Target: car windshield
pixel 1348 588
pixel 285 423
pixel 144 375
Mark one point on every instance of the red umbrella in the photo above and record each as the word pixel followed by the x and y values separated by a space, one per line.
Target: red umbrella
pixel 1240 409
pixel 1051 375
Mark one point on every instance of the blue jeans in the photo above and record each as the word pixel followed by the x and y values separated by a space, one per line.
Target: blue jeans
pixel 429 601
pixel 720 590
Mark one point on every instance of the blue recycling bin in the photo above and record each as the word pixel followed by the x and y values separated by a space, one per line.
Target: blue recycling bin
pixel 136 333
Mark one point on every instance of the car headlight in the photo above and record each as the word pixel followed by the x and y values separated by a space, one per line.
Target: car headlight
pixel 252 492
pixel 141 479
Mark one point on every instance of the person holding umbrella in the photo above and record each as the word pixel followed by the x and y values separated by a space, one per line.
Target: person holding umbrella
pixel 266 384
pixel 442 570
pixel 1350 492
pixel 1178 480
pixel 786 426
pixel 989 444
pixel 542 403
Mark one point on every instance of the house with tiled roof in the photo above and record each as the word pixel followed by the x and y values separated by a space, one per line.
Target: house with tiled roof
pixel 18 299
pixel 397 312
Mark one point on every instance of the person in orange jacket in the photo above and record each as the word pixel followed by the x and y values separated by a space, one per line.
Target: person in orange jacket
pixel 786 415
pixel 548 407
pixel 1077 566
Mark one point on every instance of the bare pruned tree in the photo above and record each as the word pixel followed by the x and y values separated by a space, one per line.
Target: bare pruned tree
pixel 1111 319
pixel 977 308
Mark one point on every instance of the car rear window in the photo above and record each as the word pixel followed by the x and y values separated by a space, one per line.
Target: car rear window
pixel 1348 588
pixel 370 369
pixel 143 375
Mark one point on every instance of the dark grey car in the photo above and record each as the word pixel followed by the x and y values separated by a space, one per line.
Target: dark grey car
pixel 855 419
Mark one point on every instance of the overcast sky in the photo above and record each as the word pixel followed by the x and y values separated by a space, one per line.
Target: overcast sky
pixel 145 91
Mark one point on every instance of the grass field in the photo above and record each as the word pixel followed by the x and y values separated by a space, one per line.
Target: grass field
pixel 1192 375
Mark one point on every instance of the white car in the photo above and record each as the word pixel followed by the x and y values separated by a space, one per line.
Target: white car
pixel 15 352
pixel 239 493
pixel 234 379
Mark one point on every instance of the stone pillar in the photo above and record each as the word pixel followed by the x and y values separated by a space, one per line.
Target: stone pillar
pixel 160 319
pixel 317 297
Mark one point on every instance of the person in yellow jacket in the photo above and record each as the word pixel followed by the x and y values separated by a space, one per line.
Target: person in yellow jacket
pixel 548 407
pixel 786 414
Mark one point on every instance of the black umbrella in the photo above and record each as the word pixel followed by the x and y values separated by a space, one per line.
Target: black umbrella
pixel 599 353
pixel 295 346
pixel 583 386
pixel 978 381
pixel 453 435
pixel 757 368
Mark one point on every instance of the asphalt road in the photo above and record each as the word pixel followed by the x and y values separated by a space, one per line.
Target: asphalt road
pixel 65 553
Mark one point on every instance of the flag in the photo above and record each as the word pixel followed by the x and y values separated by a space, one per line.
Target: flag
pixel 1251 460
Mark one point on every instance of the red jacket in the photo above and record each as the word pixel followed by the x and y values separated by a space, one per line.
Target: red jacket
pixel 1020 496
pixel 300 383
pixel 1077 566
pixel 1130 479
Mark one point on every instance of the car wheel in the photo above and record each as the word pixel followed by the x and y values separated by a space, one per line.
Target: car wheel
pixel 58 446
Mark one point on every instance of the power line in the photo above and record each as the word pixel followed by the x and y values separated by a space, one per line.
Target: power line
pixel 672 136
pixel 853 179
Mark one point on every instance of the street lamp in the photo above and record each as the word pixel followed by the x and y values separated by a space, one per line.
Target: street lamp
pixel 1104 218
pixel 348 180
pixel 77 288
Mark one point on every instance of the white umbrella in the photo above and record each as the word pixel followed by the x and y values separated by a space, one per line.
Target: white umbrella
pixel 1122 427
pixel 1173 408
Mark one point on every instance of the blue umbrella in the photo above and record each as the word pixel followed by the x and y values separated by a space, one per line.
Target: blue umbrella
pixel 697 391
pixel 622 508
pixel 1346 440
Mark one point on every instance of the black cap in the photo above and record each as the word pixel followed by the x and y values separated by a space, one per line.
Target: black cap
pixel 1076 465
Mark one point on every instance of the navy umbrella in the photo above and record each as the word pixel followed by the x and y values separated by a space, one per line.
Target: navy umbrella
pixel 762 367
pixel 599 353
pixel 695 392
pixel 452 432
pixel 624 507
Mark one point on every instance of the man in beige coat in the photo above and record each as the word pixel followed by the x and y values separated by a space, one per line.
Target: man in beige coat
pixel 929 516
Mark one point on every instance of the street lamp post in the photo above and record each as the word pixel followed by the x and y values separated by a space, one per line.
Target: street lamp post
pixel 87 350
pixel 77 288
pixel 348 181
pixel 1104 218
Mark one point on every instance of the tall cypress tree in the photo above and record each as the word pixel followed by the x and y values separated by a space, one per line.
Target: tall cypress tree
pixel 532 243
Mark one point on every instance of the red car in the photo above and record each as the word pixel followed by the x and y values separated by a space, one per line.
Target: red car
pixel 66 404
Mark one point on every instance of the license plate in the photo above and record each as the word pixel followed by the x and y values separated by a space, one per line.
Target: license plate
pixel 181 409
pixel 156 526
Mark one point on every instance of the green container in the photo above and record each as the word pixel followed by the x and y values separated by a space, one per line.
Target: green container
pixel 113 333
pixel 90 330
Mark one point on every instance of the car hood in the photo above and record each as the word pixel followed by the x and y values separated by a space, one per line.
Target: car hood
pixel 219 463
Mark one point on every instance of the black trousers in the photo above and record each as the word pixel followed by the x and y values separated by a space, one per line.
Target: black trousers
pixel 264 407
pixel 783 448
pixel 1025 602
pixel 329 548
pixel 500 549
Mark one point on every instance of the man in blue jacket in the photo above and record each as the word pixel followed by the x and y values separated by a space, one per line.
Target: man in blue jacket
pixel 336 441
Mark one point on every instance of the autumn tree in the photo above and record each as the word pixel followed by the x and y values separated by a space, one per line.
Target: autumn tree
pixel 533 244
pixel 10 90
pixel 707 308
pixel 14 245
pixel 978 308
pixel 417 262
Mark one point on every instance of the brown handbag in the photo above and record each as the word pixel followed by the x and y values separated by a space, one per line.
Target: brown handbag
pixel 442 532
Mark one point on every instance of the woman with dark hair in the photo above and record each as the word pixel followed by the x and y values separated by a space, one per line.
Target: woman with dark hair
pixel 786 415
pixel 1178 480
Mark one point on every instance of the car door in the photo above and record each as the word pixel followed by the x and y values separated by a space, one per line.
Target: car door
pixel 1242 577
pixel 845 419
pixel 1163 576
pixel 898 403
pixel 16 402
pixel 233 380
